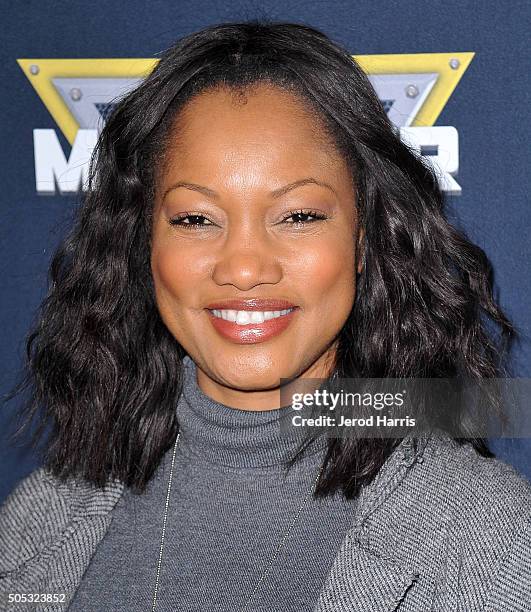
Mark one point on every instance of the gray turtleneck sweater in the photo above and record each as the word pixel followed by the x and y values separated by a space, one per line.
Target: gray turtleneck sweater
pixel 231 503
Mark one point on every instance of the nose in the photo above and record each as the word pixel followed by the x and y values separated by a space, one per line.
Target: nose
pixel 246 259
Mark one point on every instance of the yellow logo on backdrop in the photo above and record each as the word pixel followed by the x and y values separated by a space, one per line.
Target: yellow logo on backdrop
pixel 448 69
pixel 80 93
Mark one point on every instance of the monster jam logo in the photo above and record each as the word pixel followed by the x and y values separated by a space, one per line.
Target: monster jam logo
pixel 79 94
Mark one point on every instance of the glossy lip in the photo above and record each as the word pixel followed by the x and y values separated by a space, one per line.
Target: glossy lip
pixel 253 332
pixel 261 304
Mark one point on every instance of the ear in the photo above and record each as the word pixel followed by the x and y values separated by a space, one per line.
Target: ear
pixel 360 249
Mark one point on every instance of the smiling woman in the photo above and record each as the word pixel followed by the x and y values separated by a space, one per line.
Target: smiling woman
pixel 261 215
pixel 253 216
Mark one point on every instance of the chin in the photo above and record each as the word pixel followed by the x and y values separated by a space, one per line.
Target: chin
pixel 255 374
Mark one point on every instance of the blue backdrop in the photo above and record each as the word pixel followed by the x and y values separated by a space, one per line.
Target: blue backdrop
pixel 486 109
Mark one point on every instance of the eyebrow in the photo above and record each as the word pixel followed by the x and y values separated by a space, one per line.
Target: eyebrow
pixel 274 194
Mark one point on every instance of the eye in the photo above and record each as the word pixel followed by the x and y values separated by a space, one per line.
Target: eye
pixel 302 217
pixel 192 223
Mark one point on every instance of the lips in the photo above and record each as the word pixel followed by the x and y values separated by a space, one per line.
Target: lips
pixel 252 333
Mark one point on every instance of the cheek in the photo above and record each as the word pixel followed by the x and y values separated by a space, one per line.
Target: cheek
pixel 175 272
pixel 326 275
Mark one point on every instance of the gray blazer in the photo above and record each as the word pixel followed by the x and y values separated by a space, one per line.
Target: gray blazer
pixel 440 528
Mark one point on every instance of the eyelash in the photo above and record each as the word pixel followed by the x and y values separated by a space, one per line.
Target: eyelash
pixel 312 213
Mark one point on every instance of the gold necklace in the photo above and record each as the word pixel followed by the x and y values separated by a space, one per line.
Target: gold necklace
pixel 273 558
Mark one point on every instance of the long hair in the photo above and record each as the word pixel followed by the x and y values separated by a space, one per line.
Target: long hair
pixel 104 371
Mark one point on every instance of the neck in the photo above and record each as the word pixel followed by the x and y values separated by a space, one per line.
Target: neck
pixel 237 438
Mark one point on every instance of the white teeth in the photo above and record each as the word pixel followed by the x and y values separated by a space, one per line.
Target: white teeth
pixel 246 317
pixel 243 318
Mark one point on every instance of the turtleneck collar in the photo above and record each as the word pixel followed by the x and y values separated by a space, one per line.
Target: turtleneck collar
pixel 234 437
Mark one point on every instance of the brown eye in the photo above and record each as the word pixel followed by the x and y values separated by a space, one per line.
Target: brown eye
pixel 192 223
pixel 302 217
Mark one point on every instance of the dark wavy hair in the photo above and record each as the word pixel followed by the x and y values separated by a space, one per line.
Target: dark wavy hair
pixel 104 371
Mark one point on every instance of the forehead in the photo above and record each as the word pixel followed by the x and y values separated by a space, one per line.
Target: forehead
pixel 263 126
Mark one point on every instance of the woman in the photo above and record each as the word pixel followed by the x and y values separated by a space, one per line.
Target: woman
pixel 255 171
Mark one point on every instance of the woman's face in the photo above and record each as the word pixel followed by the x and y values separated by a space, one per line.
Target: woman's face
pixel 243 168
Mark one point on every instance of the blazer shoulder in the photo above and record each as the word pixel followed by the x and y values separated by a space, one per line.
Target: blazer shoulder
pixel 481 488
pixel 445 527
pixel 487 528
pixel 451 496
pixel 41 508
